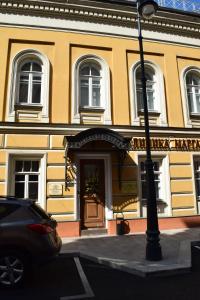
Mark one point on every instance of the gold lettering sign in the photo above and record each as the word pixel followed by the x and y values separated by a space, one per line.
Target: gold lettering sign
pixel 167 144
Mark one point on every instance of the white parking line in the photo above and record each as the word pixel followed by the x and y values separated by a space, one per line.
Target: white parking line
pixel 88 291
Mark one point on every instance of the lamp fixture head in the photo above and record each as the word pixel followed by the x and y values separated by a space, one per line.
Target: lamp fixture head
pixel 147 8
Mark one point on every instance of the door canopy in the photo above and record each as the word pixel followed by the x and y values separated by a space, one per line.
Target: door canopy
pixel 97 134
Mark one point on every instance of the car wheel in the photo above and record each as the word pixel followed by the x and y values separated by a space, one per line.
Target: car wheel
pixel 13 269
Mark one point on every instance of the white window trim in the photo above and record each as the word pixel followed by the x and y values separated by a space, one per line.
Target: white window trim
pixel 185 104
pixel 25 155
pixel 25 55
pixel 196 202
pixel 165 178
pixel 135 120
pixel 105 88
pixel 108 184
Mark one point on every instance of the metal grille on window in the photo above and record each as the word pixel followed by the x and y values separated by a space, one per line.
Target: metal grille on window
pixel 27 178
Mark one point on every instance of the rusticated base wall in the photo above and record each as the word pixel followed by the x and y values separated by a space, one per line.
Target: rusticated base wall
pixel 72 228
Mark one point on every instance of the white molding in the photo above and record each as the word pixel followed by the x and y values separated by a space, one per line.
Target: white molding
pixel 186 111
pixel 105 87
pixel 12 156
pixel 160 97
pixel 12 95
pixel 66 25
pixel 162 156
pixel 108 182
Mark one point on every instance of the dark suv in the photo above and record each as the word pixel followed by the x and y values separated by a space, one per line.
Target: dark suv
pixel 27 237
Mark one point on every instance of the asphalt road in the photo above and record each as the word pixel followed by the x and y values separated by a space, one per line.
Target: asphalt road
pixel 69 278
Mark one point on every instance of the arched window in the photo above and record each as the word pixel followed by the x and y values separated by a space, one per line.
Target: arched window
pixel 91 91
pixel 29 92
pixel 151 88
pixel 155 95
pixel 193 91
pixel 90 85
pixel 30 79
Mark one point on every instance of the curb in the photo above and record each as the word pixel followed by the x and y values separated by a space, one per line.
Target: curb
pixel 135 268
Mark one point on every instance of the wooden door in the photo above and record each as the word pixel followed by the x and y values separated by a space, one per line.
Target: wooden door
pixel 92 193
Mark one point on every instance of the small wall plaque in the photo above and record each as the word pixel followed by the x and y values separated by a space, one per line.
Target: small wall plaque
pixel 55 190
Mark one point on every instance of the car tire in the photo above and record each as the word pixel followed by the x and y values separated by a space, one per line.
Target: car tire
pixel 13 269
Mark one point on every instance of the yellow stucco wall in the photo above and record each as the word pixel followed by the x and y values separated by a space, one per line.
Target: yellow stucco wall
pixel 63 49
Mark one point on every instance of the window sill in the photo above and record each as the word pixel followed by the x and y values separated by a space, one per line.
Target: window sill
pixel 91 109
pixel 29 107
pixel 150 112
pixel 195 116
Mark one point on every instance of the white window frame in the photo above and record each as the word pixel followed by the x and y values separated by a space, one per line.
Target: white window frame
pixel 26 176
pixel 160 102
pixel 90 85
pixel 186 111
pixel 165 194
pixel 24 155
pixel 30 81
pixel 105 88
pixel 18 60
pixel 196 158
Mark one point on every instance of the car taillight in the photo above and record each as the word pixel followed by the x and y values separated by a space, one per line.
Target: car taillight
pixel 41 228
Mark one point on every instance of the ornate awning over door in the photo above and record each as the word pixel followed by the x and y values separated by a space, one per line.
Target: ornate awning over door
pixel 78 142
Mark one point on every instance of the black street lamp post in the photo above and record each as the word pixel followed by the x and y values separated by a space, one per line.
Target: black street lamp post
pixel 147 9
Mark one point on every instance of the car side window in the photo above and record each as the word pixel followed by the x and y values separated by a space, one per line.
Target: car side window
pixel 6 209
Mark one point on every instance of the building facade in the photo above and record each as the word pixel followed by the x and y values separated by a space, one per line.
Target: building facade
pixel 71 112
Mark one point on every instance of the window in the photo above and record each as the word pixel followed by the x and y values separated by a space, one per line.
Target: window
pixel 27 178
pixel 29 87
pixel 197 181
pixel 161 177
pixel 157 178
pixel 150 89
pixel 29 83
pixel 91 91
pixel 193 91
pixel 155 95
pixel 90 85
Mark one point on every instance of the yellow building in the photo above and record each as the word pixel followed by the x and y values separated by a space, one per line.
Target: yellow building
pixel 71 116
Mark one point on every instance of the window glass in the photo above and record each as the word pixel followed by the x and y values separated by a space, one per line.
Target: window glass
pixel 157 179
pixel 27 179
pixel 26 67
pixel 193 91
pixel 90 85
pixel 30 83
pixel 23 92
pixel 150 89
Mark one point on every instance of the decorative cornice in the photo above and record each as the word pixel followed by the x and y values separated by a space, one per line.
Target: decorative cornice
pixel 106 13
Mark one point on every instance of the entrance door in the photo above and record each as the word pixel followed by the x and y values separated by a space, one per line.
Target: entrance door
pixel 92 192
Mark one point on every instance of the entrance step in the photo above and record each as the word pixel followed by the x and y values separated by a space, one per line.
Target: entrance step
pixel 94 231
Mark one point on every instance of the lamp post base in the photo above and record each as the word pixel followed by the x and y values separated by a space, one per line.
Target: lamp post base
pixel 153 248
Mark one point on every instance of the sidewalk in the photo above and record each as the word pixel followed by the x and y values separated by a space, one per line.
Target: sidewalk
pixel 127 252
